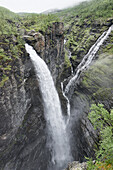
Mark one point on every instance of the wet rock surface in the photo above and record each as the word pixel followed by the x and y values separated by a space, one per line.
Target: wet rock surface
pixel 23 139
pixel 22 123
pixel 50 46
pixel 77 166
pixel 90 89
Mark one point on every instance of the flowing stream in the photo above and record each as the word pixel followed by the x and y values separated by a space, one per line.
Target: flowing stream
pixel 52 108
pixel 86 62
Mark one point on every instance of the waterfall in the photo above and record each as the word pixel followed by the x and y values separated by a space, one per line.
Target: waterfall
pixel 52 110
pixel 86 61
pixel 68 103
pixel 62 87
pixel 67 93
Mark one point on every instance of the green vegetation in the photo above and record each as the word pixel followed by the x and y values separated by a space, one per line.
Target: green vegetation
pixel 12 27
pixel 102 121
pixel 11 49
pixel 37 21
pixel 109 47
pixel 4 79
pixel 11 23
pixel 96 9
pixel 97 81
pixel 8 21
pixel 84 24
pixel 67 61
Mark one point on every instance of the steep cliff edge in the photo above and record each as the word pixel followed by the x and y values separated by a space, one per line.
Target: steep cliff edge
pixel 94 86
pixel 16 101
pixel 50 46
pixel 23 127
pixel 22 122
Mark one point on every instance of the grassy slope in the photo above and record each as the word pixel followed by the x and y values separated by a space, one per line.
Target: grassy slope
pixel 10 43
pixel 95 9
pixel 7 21
pixel 84 24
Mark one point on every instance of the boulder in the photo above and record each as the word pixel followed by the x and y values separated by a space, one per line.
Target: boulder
pixel 77 166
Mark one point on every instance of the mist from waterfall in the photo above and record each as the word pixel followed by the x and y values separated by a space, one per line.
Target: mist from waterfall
pixel 52 108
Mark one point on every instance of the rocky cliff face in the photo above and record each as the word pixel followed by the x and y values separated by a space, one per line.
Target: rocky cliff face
pixel 50 46
pixel 82 35
pixel 94 86
pixel 21 114
pixel 22 123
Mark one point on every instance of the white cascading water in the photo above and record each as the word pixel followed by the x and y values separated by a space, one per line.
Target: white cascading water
pixel 82 66
pixel 52 108
pixel 62 88
pixel 68 103
pixel 86 61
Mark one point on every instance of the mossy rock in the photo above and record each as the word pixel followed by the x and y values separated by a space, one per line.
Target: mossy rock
pixel 98 79
pixel 4 79
pixel 103 94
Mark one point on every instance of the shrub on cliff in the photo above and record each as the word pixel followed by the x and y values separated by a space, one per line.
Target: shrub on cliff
pixel 102 121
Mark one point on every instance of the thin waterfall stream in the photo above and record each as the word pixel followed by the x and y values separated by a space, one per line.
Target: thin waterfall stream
pixel 86 62
pixel 67 93
pixel 56 126
pixel 52 109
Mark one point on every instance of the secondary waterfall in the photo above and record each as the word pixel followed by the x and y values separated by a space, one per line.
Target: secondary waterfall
pixel 52 108
pixel 86 61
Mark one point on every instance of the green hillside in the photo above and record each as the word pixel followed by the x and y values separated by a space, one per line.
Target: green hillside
pixel 95 9
pixel 84 24
pixel 7 21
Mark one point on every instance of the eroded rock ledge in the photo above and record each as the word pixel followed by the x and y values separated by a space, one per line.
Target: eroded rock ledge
pixel 50 46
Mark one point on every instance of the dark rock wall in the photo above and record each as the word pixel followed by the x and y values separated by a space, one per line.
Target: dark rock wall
pixel 83 135
pixel 94 86
pixel 49 46
pixel 22 123
pixel 54 39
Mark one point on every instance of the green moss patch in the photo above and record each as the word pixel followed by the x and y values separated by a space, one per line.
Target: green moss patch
pixel 4 79
pixel 98 79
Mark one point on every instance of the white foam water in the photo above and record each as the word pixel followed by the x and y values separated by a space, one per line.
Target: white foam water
pixel 52 108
